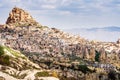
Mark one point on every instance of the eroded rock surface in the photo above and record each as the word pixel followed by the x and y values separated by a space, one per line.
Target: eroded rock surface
pixel 19 17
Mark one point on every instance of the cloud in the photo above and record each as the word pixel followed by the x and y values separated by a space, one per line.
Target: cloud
pixel 69 13
pixel 15 0
pixel 50 1
pixel 48 6
pixel 90 6
pixel 66 2
pixel 1 5
pixel 73 6
pixel 65 12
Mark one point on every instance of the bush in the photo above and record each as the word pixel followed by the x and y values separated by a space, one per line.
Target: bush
pixel 67 78
pixel 1 50
pixel 84 68
pixel 112 75
pixel 5 60
pixel 42 74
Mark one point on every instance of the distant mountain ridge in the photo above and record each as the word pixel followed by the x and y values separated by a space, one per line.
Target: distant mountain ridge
pixel 111 28
pixel 97 33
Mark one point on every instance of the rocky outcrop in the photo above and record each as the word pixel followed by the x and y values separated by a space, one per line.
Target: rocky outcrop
pixel 118 42
pixel 86 54
pixel 19 17
pixel 103 55
pixel 92 54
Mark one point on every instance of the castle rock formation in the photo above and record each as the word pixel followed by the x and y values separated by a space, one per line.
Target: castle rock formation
pixel 19 17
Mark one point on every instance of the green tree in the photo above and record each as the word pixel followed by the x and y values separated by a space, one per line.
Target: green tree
pixel 97 56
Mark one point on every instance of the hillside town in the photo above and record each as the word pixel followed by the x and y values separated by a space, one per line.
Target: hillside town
pixel 53 49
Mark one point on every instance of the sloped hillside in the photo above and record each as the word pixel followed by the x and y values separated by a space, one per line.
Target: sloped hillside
pixel 15 59
pixel 15 66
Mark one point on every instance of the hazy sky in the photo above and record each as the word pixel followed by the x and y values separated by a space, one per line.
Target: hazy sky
pixel 65 14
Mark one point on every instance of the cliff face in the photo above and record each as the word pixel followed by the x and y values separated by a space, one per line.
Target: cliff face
pixel 19 17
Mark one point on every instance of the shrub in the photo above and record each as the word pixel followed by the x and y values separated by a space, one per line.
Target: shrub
pixel 112 75
pixel 1 50
pixel 67 78
pixel 84 68
pixel 42 74
pixel 5 60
